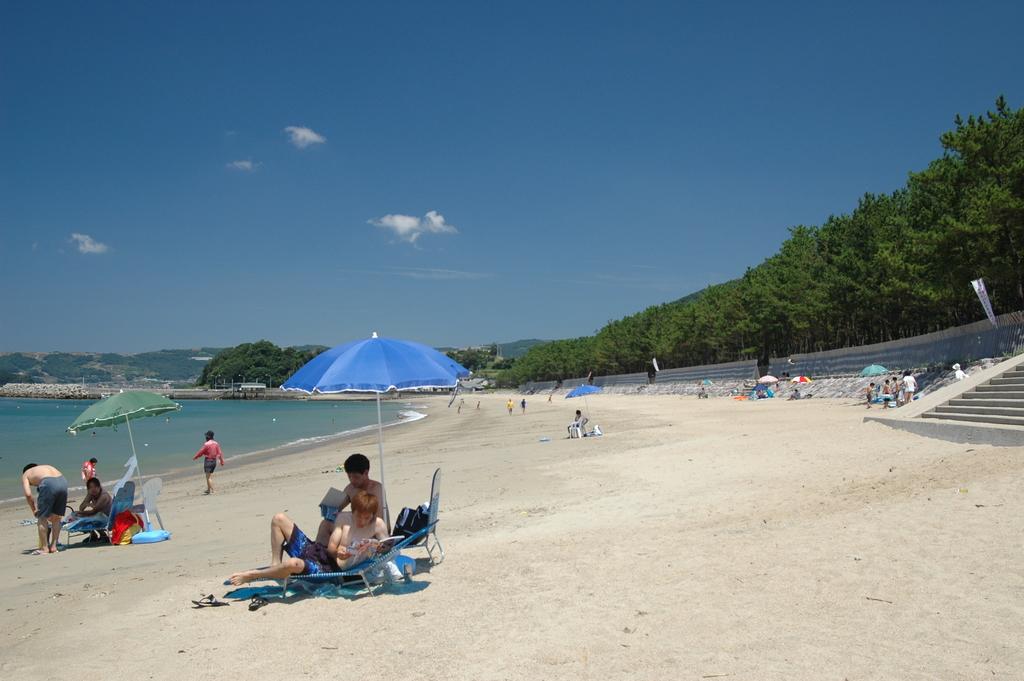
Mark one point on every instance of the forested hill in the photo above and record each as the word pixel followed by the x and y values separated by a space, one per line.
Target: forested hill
pixel 899 265
pixel 101 367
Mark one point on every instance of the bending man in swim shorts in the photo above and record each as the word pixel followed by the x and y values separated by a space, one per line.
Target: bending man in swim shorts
pixel 348 544
pixel 52 492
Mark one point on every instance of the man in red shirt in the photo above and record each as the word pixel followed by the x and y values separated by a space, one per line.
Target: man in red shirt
pixel 212 454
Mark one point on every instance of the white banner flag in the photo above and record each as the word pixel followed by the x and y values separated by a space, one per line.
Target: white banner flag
pixel 979 288
pixel 654 361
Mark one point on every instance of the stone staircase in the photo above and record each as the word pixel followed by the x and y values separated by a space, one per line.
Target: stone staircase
pixel 999 401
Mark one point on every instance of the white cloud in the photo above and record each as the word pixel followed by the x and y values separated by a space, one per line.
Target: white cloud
pixel 408 228
pixel 246 166
pixel 303 137
pixel 437 274
pixel 86 244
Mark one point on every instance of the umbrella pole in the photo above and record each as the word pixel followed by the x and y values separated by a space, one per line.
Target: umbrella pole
pixel 138 468
pixel 380 454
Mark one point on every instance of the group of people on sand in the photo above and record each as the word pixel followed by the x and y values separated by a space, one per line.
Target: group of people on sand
pixel 894 392
pixel 51 499
pixel 352 536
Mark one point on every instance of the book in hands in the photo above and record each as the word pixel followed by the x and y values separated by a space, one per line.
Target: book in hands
pixel 373 545
pixel 333 498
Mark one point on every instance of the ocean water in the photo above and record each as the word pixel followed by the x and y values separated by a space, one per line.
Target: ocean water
pixel 33 431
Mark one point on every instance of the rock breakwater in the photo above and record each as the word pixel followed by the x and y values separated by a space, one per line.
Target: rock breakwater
pixel 53 391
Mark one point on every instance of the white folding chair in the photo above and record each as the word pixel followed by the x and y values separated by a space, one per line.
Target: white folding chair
pixel 150 491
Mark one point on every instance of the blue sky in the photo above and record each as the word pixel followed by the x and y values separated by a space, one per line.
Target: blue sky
pixel 453 173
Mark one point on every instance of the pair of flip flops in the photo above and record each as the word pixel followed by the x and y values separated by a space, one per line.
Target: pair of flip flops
pixel 255 603
pixel 208 602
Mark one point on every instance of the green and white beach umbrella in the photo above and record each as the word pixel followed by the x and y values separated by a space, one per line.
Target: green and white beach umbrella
pixel 123 408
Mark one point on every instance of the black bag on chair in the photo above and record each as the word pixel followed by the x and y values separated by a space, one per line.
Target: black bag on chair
pixel 410 521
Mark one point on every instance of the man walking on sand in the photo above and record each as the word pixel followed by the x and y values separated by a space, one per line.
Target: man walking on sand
pixel 212 454
pixel 52 490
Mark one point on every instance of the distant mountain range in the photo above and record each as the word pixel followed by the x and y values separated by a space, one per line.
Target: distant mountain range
pixel 173 366
pixel 165 366
pixel 518 348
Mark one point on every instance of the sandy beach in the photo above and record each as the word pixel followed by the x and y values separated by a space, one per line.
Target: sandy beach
pixel 697 539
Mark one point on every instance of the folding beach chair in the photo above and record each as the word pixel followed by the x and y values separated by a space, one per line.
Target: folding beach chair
pixel 150 492
pixel 578 429
pixel 364 572
pixel 123 501
pixel 429 541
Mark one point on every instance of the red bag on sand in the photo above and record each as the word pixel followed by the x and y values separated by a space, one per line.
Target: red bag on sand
pixel 126 525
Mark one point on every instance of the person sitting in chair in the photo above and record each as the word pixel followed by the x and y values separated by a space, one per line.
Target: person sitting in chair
pixel 578 428
pixel 357 468
pixel 96 504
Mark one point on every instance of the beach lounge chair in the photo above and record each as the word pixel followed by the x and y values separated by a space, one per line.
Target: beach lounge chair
pixel 429 541
pixel 123 500
pixel 363 573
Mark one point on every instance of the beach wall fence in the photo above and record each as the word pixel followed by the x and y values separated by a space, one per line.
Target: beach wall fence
pixel 742 370
pixel 963 344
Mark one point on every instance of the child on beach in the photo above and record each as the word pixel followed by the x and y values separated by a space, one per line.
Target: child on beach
pixel 869 394
pixel 897 391
pixel 89 469
pixel 510 405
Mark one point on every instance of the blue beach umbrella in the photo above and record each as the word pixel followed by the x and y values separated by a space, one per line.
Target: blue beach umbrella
pixel 377 365
pixel 583 390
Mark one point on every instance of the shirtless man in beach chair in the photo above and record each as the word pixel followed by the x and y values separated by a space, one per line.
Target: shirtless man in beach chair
pixel 357 468
pixel 578 427
pixel 348 544
pixel 52 490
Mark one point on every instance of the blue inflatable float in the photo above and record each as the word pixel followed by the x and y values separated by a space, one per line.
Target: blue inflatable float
pixel 151 537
